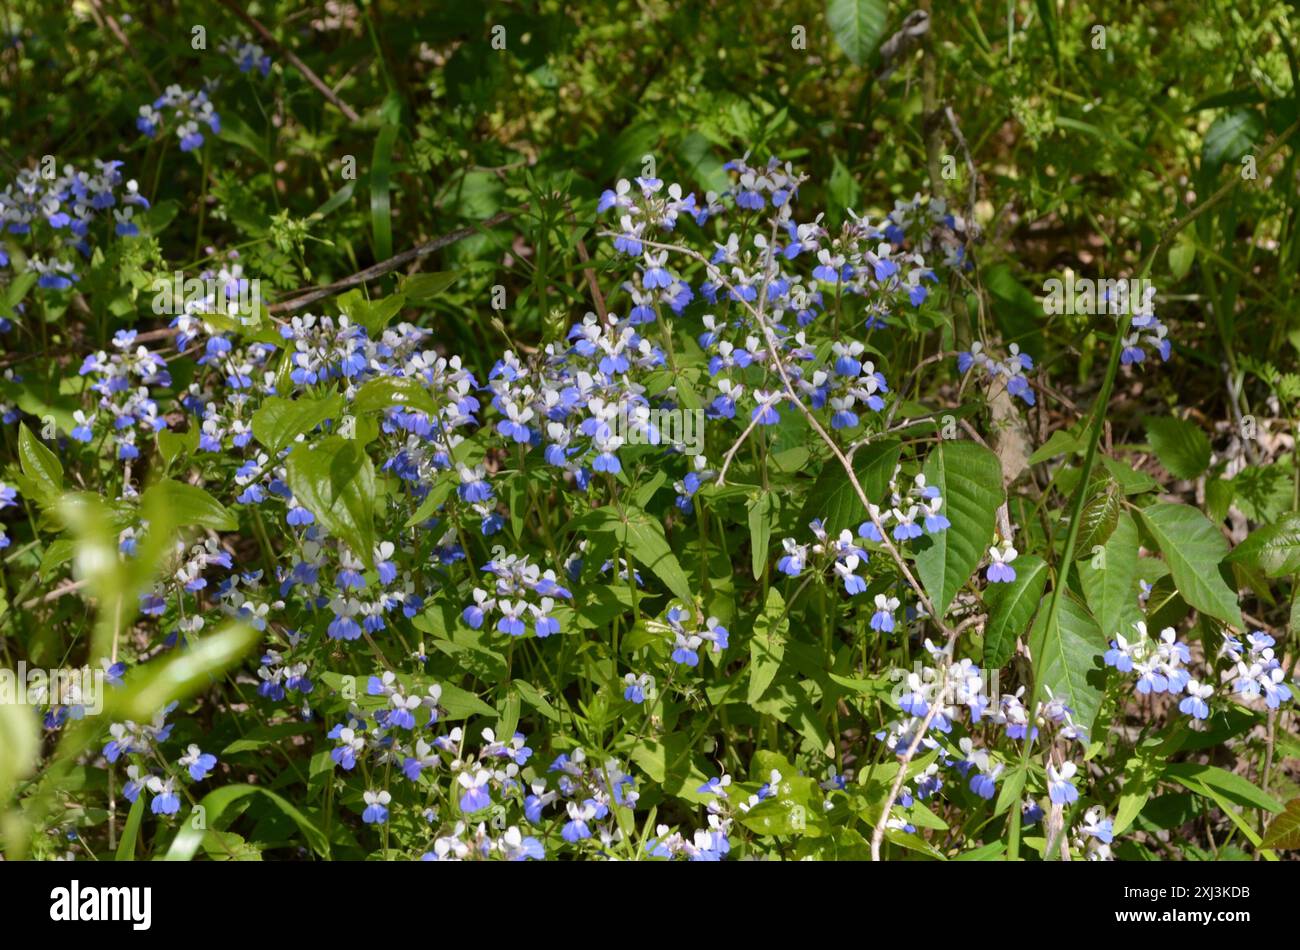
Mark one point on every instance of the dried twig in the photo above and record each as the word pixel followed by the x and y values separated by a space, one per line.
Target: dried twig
pixel 297 299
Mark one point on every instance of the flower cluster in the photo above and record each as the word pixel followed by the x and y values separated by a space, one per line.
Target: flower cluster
pixel 1010 371
pixel 190 109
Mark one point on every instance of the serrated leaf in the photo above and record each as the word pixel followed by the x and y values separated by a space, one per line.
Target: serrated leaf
pixel 858 26
pixel 1284 832
pixel 1098 519
pixel 1194 548
pixel 1274 548
pixel 1011 608
pixel 1182 447
pixel 334 479
pixel 969 478
pixel 1230 137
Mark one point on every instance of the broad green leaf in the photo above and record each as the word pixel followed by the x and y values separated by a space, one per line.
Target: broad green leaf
pixel 214 804
pixel 40 465
pixel 1098 518
pixel 1011 608
pixel 858 26
pixel 386 391
pixel 279 421
pixel 1067 657
pixel 767 646
pixel 1110 579
pixel 1232 786
pixel 832 498
pixel 643 538
pixel 969 478
pixel 1061 442
pixel 461 703
pixel 334 479
pixel 374 315
pixel 427 286
pixel 1181 446
pixel 1193 549
pixel 189 505
pixel 1273 548
pixel 172 445
pixel 1230 137
pixel 181 673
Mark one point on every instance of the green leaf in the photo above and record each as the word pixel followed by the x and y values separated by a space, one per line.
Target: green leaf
pixel 279 421
pixel 1230 137
pixel 1060 442
pixel 767 646
pixel 969 478
pixel 858 26
pixel 374 315
pixel 381 215
pixel 214 804
pixel 189 505
pixel 1284 832
pixel 1111 587
pixel 40 465
pixel 427 286
pixel 172 445
pixel 260 737
pixel 334 479
pixel 461 703
pixel 15 292
pixel 20 745
pixel 180 674
pixel 1274 548
pixel 1181 256
pixel 1182 447
pixel 832 498
pixel 1098 519
pixel 1193 549
pixel 386 391
pixel 762 510
pixel 1011 608
pixel 643 538
pixel 1233 787
pixel 130 834
pixel 1067 657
